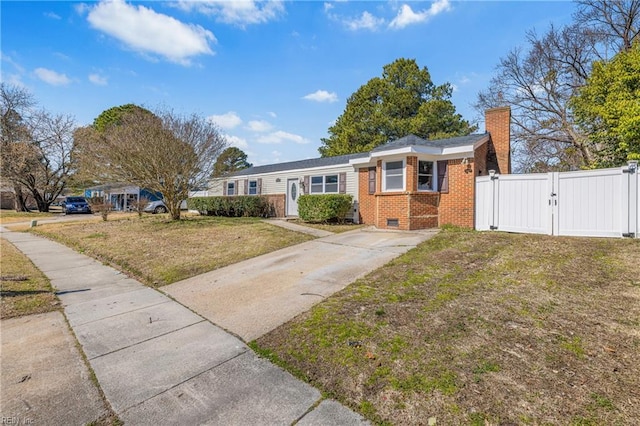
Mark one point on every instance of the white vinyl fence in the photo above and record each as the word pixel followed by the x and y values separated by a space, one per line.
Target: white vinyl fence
pixel 595 203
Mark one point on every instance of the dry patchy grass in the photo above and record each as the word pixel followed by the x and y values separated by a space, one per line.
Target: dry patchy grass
pixel 480 328
pixel 11 216
pixel 158 251
pixel 25 290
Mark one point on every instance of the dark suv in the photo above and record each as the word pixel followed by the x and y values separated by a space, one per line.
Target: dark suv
pixel 75 205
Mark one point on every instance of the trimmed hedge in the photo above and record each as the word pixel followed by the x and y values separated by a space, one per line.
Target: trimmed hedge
pixel 236 206
pixel 324 207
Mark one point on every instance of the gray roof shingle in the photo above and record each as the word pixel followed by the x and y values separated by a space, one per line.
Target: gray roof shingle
pixel 409 140
pixel 413 140
pixel 300 164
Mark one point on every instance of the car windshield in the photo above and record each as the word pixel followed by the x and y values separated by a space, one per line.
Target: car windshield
pixel 76 200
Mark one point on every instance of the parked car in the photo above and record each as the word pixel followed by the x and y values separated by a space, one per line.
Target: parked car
pixel 75 205
pixel 156 207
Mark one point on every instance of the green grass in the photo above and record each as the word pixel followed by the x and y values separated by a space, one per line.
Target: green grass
pixel 475 327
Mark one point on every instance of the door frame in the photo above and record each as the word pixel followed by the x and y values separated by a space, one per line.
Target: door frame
pixel 292 202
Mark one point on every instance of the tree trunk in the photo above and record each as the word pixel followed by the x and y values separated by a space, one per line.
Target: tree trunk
pixel 19 203
pixel 43 206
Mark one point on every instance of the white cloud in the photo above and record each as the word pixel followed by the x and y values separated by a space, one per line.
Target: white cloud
pixel 280 137
pixel 51 77
pixel 321 96
pixel 406 16
pixel 260 126
pixel 98 79
pixel 241 13
pixel 227 120
pixel 366 21
pixel 328 6
pixel 236 141
pixel 52 15
pixel 272 114
pixel 147 31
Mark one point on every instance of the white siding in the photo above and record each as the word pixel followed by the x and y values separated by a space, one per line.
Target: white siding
pixel 271 185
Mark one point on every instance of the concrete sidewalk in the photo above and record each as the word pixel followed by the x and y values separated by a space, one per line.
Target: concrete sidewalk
pixel 158 362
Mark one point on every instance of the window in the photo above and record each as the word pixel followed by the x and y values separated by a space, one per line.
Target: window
pixel 394 175
pixel 324 184
pixel 253 187
pixel 331 183
pixel 231 188
pixel 425 176
pixel 372 180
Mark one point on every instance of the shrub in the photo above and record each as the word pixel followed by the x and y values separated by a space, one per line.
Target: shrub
pixel 237 206
pixel 325 207
pixel 100 205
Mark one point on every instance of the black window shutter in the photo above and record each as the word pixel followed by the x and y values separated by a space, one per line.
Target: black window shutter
pixel 372 180
pixel 443 176
pixel 342 183
pixel 224 187
pixel 259 186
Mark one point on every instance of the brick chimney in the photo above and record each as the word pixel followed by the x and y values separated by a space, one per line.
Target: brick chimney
pixel 497 123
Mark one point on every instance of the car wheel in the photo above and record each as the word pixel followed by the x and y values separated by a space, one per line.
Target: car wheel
pixel 160 209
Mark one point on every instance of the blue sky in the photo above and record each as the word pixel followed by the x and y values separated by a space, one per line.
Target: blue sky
pixel 273 75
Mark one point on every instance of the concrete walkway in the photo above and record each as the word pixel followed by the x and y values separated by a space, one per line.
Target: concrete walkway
pixel 44 379
pixel 158 362
pixel 253 297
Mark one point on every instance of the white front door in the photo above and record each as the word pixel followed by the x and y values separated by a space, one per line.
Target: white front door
pixel 293 192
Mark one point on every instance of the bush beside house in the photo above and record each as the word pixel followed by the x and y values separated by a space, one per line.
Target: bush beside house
pixel 324 207
pixel 238 206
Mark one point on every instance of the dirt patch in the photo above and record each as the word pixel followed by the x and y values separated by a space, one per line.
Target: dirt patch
pixel 481 328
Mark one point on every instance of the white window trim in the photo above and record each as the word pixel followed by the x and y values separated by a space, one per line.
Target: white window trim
pixel 434 176
pixel 404 175
pixel 324 184
pixel 235 190
pixel 249 187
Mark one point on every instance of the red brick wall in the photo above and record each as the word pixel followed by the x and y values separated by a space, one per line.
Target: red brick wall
pixel 457 206
pixel 480 160
pixel 423 210
pixel 393 205
pixel 497 122
pixel 367 202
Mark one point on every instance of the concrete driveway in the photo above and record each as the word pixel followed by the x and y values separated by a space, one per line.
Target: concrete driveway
pixel 255 296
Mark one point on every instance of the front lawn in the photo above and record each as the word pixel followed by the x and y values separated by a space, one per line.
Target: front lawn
pixel 12 216
pixel 480 329
pixel 24 289
pixel 158 251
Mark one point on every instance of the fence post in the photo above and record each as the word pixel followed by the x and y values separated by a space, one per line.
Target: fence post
pixel 555 203
pixel 495 200
pixel 632 199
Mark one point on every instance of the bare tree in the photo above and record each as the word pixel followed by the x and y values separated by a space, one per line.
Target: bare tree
pixel 15 109
pixel 538 82
pixel 36 148
pixel 616 22
pixel 163 152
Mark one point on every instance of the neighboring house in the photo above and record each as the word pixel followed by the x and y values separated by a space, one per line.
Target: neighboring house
pixel 409 183
pixel 121 196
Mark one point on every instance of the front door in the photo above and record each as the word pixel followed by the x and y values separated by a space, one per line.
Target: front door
pixel 293 192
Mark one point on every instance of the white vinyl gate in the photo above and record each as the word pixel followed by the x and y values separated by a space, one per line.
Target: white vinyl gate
pixel 596 203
